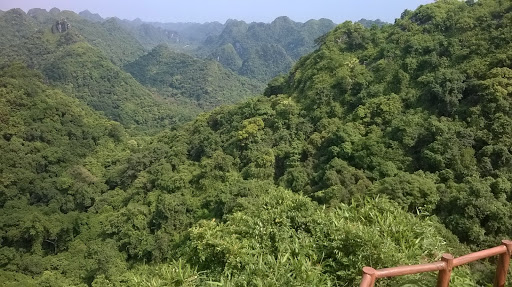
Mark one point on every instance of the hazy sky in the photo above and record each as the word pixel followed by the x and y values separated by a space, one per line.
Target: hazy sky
pixel 221 10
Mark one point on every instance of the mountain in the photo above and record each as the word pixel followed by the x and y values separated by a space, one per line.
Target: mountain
pixel 262 51
pixel 69 61
pixel 151 36
pixel 83 71
pixel 385 146
pixel 419 107
pixel 82 60
pixel 146 34
pixel 108 36
pixel 93 17
pixel 183 37
pixel 21 40
pixel 193 33
pixel 179 76
pixel 256 50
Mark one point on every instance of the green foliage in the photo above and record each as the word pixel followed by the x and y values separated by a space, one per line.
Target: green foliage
pixel 44 133
pixel 86 73
pixel 176 273
pixel 107 36
pixel 386 146
pixel 19 41
pixel 415 192
pixel 262 51
pixel 426 101
pixel 47 186
pixel 281 238
pixel 180 77
pixel 370 23
pixel 72 62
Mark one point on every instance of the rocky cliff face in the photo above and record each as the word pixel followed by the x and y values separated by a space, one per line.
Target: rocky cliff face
pixel 61 26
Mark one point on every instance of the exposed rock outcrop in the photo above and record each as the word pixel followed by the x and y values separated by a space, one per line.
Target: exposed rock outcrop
pixel 61 26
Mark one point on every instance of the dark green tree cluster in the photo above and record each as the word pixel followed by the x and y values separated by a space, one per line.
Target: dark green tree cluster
pixel 421 109
pixel 47 180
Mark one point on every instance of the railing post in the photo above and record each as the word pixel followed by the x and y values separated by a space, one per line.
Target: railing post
pixel 503 263
pixel 369 277
pixel 443 278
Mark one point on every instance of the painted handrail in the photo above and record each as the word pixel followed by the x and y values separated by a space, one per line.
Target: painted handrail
pixel 445 266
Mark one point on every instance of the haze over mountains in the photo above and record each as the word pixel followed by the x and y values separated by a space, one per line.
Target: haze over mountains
pixel 131 159
pixel 114 42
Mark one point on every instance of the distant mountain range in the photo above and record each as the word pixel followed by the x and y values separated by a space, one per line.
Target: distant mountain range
pixel 181 68
pixel 256 50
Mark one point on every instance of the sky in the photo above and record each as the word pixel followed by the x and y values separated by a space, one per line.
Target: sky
pixel 221 10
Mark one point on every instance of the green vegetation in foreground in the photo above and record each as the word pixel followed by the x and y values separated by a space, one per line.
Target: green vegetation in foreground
pixel 386 146
pixel 77 209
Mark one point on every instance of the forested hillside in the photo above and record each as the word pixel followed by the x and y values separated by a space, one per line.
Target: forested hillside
pixel 185 78
pixel 83 71
pixel 69 61
pixel 263 51
pixel 108 36
pixel 86 61
pixel 385 146
pixel 256 50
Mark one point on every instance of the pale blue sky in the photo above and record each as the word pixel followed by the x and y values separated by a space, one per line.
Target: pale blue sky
pixel 221 10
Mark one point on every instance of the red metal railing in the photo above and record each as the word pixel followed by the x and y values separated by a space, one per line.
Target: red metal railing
pixel 445 266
